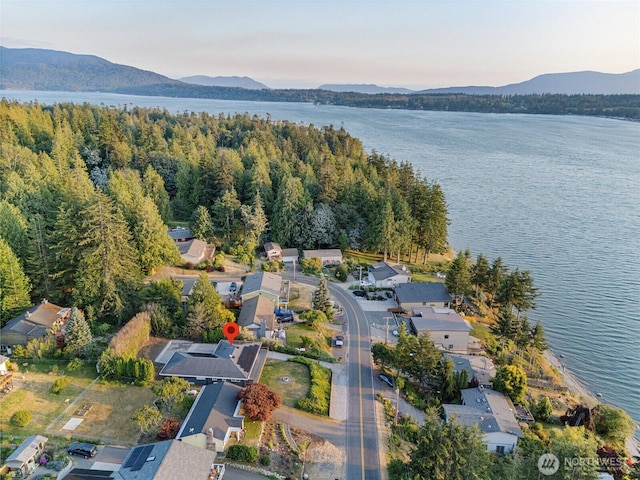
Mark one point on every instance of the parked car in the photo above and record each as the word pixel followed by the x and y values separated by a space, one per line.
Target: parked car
pixel 85 450
pixel 386 380
pixel 233 287
pixel 359 293
pixel 365 283
pixel 287 319
pixel 339 340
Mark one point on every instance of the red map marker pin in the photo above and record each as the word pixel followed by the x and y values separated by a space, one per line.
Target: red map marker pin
pixel 230 331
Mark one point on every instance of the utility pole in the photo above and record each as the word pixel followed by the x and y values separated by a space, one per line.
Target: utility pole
pixel 360 267
pixel 294 270
pixel 386 337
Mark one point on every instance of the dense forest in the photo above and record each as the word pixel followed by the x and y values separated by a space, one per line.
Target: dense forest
pixel 618 106
pixel 86 193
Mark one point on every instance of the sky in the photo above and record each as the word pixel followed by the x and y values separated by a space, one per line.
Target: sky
pixel 303 44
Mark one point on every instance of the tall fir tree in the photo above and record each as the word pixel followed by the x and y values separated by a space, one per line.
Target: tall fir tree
pixel 78 333
pixel 14 284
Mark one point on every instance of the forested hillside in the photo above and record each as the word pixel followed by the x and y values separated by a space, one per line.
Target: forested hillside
pixel 86 192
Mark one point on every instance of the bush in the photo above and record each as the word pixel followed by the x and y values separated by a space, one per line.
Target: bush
pixel 75 365
pixel 21 418
pixel 265 460
pixel 59 385
pixel 317 399
pixel 243 453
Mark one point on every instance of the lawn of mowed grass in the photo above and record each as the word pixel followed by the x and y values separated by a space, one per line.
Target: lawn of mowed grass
pixel 292 391
pixel 296 331
pixel 32 392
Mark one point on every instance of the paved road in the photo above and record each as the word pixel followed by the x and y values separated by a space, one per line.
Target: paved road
pixel 363 454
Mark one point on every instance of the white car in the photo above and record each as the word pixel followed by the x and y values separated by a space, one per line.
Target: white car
pixel 365 283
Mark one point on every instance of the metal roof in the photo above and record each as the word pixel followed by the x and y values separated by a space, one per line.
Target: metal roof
pixel 422 292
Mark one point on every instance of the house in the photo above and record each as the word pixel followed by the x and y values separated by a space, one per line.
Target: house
pixel 213 417
pixel 262 283
pixel 34 323
pixel 168 460
pixel 187 287
pixel 492 412
pixel 478 367
pixel 6 377
pixel 273 251
pixel 180 234
pixel 290 255
pixel 195 251
pixel 332 256
pixel 257 315
pixel 448 330
pixel 207 363
pixel 410 295
pixel 383 275
pixel 25 459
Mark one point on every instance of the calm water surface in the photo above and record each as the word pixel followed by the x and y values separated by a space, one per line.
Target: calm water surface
pixel 559 196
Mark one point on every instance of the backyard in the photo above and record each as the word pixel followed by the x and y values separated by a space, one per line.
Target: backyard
pixel 288 379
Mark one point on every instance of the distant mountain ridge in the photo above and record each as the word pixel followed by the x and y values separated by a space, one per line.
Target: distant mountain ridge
pixel 39 69
pixel 369 88
pixel 225 81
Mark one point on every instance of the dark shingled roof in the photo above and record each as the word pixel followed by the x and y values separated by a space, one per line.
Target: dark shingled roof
pixel 168 460
pixel 214 408
pixel 227 363
pixel 421 292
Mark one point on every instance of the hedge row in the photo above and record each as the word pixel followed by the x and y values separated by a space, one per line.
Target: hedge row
pixel 318 399
pixel 132 337
pixel 114 367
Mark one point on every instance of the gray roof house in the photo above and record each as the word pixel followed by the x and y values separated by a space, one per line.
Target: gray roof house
pixel 331 256
pixel 289 255
pixel 213 417
pixel 169 460
pixel 494 415
pixel 383 275
pixel 25 458
pixel 482 368
pixel 34 323
pixel 262 283
pixel 409 295
pixel 257 315
pixel 180 234
pixel 227 362
pixel 194 251
pixel 448 330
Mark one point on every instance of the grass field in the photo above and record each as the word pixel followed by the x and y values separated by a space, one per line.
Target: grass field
pixel 108 418
pixel 291 391
pixel 297 331
pixel 32 392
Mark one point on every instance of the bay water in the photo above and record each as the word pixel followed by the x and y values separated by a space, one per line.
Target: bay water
pixel 556 195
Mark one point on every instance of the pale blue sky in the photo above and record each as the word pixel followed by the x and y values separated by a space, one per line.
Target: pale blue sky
pixel 299 43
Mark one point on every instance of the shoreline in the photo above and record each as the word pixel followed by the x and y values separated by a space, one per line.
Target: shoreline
pixel 579 390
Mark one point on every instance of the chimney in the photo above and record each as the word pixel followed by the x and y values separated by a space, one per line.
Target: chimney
pixel 211 444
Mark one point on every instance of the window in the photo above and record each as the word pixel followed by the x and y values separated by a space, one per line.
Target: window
pixel 446 336
pixel 451 347
pixel 500 449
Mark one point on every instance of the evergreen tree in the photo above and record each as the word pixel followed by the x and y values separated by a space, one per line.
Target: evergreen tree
pixel 517 290
pixel 204 308
pixel 458 279
pixel 288 204
pixel 201 224
pixel 480 272
pixel 321 299
pixel 512 381
pixel 78 333
pixel 13 228
pixel 14 284
pixel 153 187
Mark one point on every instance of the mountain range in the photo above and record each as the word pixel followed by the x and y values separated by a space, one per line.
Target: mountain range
pixel 39 69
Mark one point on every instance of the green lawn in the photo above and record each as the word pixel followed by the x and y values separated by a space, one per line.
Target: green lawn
pixel 291 391
pixel 299 330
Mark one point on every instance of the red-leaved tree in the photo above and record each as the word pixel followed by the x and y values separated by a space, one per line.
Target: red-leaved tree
pixel 259 401
pixel 169 429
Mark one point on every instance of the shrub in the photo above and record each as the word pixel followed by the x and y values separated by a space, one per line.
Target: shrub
pixel 243 453
pixel 169 429
pixel 59 385
pixel 21 418
pixel 132 337
pixel 74 365
pixel 265 460
pixel 317 399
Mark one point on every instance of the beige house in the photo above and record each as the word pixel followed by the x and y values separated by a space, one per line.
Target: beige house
pixel 415 295
pixel 383 275
pixel 273 251
pixel 25 459
pixel 332 256
pixel 213 417
pixel 195 251
pixel 257 315
pixel 448 330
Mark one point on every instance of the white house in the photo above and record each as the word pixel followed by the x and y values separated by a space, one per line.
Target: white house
pixel 213 417
pixel 332 256
pixel 492 412
pixel 290 255
pixel 383 275
pixel 482 368
pixel 273 251
pixel 25 459
pixel 448 330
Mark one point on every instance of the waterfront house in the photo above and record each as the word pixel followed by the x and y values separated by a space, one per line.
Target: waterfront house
pixel 492 412
pixel 477 366
pixel 448 330
pixel 213 417
pixel 410 295
pixel 383 275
